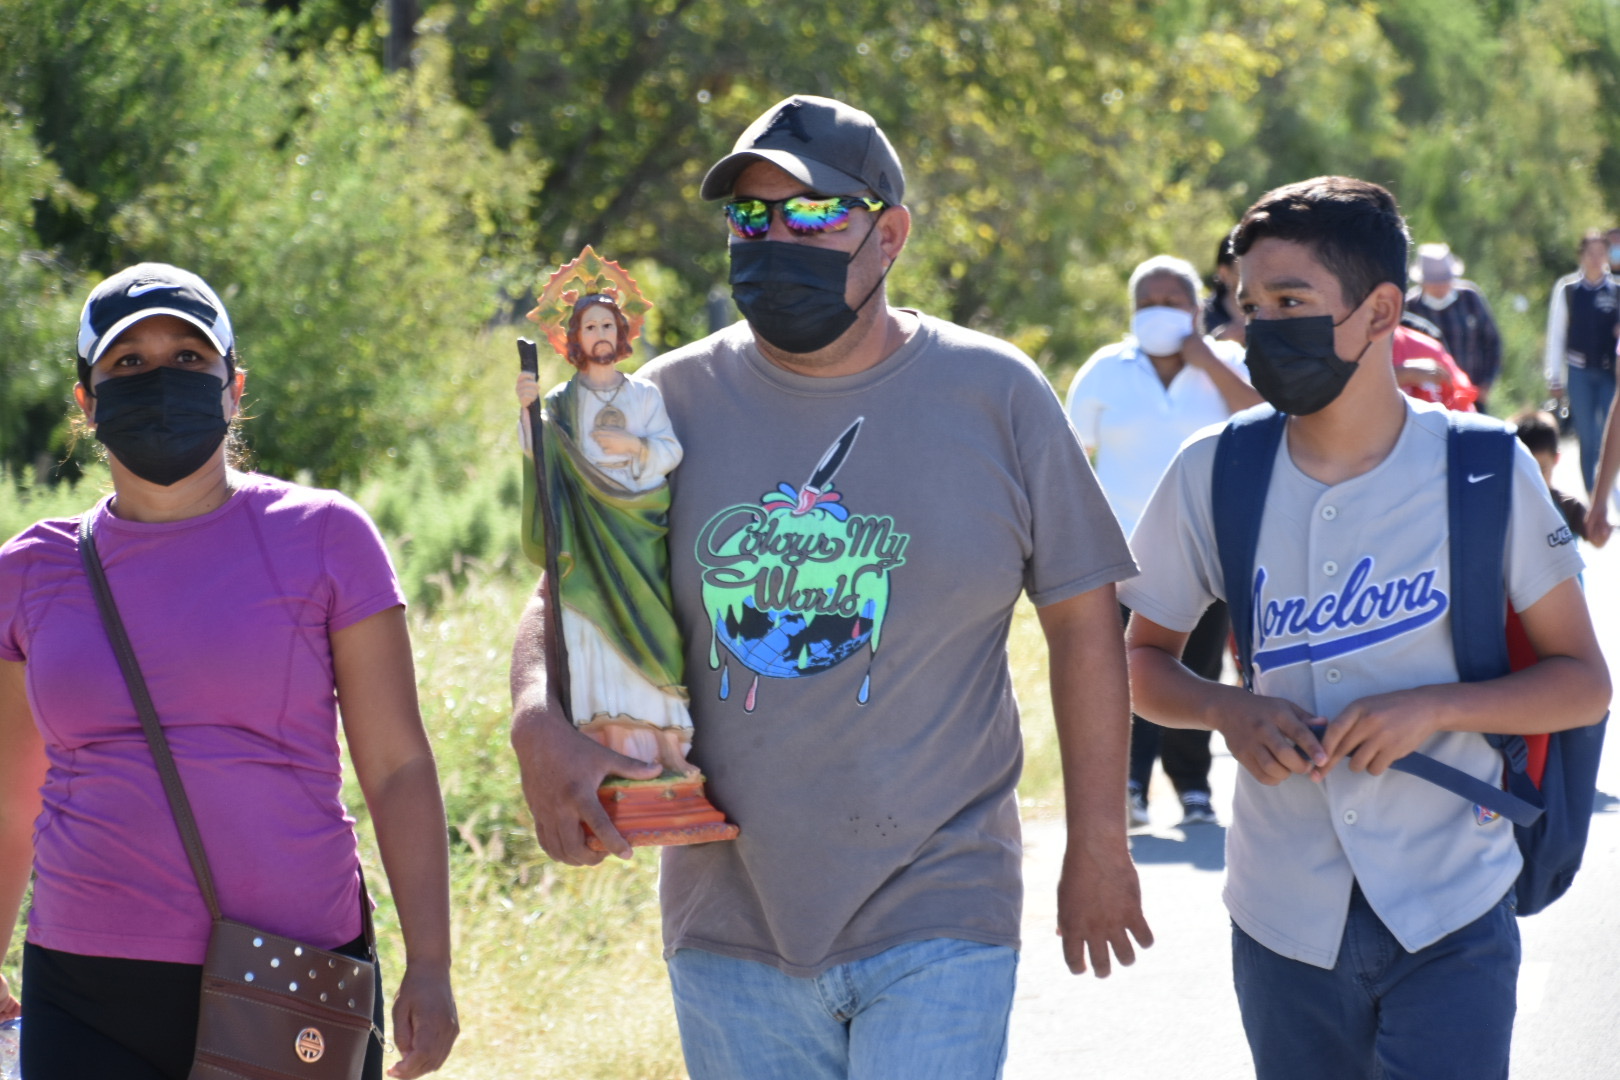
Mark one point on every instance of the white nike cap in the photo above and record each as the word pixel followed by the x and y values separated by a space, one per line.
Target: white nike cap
pixel 148 289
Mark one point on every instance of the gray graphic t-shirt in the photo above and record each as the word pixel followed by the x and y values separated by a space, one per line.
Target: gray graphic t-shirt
pixel 846 555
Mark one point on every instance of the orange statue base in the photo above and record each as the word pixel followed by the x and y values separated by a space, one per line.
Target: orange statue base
pixel 664 812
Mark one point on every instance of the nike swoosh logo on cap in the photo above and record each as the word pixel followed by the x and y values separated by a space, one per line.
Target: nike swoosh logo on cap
pixel 1472 479
pixel 148 287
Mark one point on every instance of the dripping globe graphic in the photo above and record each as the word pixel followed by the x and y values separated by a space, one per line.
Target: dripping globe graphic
pixel 798 582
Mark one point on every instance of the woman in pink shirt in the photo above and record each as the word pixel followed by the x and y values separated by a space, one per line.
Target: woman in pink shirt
pixel 258 610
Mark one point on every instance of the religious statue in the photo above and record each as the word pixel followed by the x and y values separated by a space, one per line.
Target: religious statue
pixel 596 502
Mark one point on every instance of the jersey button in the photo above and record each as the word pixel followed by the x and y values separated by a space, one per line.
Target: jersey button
pixel 1349 817
pixel 1330 568
pixel 1333 675
pixel 1329 513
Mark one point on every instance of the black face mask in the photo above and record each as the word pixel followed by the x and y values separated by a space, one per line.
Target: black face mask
pixel 793 294
pixel 1293 364
pixel 161 425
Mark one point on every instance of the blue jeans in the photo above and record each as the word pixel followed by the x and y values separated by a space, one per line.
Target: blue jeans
pixel 1591 393
pixel 1442 1013
pixel 935 1008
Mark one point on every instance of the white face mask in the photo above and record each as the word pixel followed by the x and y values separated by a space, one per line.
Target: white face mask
pixel 1440 303
pixel 1161 330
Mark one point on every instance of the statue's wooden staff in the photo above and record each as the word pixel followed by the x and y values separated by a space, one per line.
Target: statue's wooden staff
pixel 529 359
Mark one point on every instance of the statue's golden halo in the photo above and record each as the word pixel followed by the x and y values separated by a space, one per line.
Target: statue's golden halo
pixel 587 274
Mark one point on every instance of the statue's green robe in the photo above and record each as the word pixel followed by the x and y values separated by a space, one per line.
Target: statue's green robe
pixel 613 555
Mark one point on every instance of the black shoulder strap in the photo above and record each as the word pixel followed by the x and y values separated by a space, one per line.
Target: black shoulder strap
pixel 179 805
pixel 1479 502
pixel 1244 455
pixel 1479 483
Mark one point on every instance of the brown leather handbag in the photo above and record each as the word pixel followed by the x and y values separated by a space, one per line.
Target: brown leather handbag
pixel 272 1007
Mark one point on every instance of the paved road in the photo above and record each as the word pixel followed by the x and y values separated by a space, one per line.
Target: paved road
pixel 1174 1015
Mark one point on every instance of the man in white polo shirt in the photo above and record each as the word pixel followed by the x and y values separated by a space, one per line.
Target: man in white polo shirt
pixel 1133 403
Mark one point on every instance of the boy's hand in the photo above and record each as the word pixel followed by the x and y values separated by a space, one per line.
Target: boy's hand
pixel 1377 731
pixel 1597 523
pixel 1271 737
pixel 528 389
pixel 10 1007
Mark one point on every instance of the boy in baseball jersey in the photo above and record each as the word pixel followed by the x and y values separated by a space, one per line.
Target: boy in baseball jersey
pixel 1373 930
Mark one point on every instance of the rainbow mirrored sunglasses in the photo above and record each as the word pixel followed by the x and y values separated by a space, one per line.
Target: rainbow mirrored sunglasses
pixel 804 215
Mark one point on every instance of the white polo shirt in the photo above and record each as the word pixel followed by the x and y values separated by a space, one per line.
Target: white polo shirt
pixel 1134 424
pixel 1352 597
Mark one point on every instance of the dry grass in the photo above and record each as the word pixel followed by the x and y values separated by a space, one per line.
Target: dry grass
pixel 558 969
pixel 1040 792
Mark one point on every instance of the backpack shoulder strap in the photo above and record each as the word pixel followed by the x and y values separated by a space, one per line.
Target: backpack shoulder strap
pixel 1479 482
pixel 1244 455
pixel 1479 500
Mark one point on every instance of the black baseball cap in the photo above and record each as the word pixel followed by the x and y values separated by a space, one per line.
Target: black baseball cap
pixel 148 289
pixel 833 148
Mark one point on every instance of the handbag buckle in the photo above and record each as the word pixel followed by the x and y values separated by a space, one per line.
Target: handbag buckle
pixel 310 1046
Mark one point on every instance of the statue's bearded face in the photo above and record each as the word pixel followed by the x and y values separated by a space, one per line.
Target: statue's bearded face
pixel 599 335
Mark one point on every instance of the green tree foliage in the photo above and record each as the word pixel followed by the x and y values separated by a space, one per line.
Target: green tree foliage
pixel 40 308
pixel 1595 51
pixel 1512 182
pixel 1021 126
pixel 358 263
pixel 314 24
pixel 355 223
pixel 366 226
pixel 1325 103
pixel 1050 145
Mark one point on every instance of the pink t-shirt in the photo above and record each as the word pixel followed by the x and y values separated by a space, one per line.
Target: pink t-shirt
pixel 230 616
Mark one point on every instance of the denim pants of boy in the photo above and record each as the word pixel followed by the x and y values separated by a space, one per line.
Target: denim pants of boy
pixel 1591 393
pixel 1442 1013
pixel 926 1009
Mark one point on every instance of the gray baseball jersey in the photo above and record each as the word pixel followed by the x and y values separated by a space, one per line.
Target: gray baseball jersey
pixel 1352 597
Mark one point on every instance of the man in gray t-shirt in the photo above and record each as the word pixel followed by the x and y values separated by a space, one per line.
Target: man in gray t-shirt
pixel 1373 932
pixel 866 492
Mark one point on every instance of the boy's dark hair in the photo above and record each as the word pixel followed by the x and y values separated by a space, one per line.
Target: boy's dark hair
pixel 1353 227
pixel 1538 431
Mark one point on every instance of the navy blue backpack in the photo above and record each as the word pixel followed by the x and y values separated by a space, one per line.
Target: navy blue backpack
pixel 1551 821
